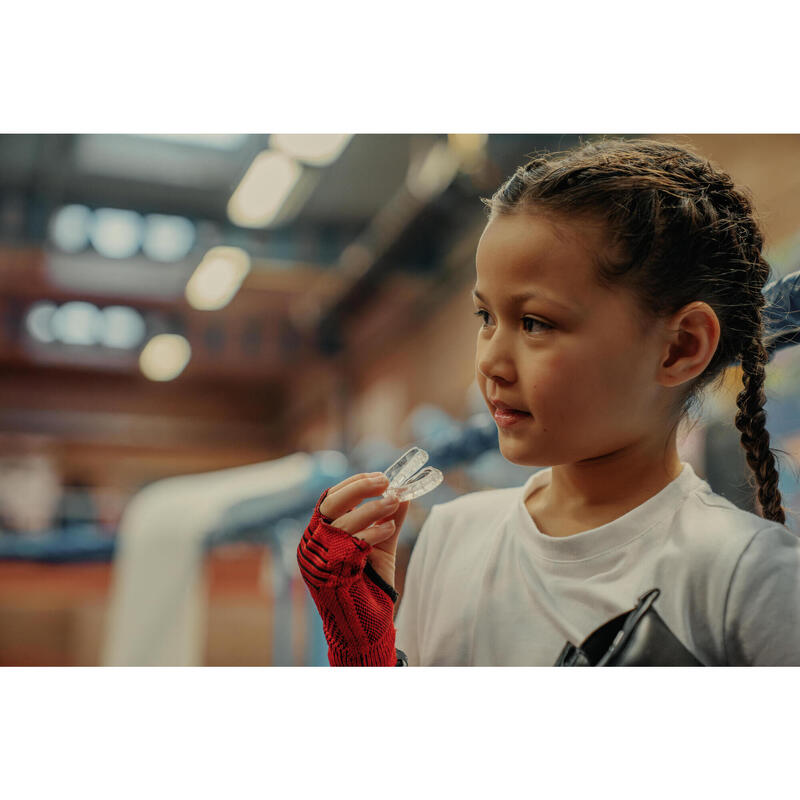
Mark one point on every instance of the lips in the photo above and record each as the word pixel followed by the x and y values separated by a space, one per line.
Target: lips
pixel 505 407
pixel 505 416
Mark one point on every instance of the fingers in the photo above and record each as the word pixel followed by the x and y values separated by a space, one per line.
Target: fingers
pixel 349 493
pixel 377 533
pixel 357 477
pixel 367 514
pixel 374 522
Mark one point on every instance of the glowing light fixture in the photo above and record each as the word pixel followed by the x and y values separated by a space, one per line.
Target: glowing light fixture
pixel 75 323
pixel 37 321
pixel 69 228
pixel 433 173
pixel 81 323
pixel 121 327
pixel 164 357
pixel 116 233
pixel 316 149
pixel 167 238
pixel 469 147
pixel 217 278
pixel 264 189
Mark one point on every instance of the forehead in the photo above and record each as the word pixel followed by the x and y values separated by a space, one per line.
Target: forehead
pixel 532 250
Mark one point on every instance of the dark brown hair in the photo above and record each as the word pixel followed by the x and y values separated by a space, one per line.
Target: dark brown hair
pixel 679 231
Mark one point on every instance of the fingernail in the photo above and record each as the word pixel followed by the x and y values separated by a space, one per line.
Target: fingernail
pixel 390 501
pixel 386 526
pixel 379 478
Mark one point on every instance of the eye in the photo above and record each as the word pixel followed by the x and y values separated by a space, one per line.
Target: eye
pixel 529 324
pixel 533 325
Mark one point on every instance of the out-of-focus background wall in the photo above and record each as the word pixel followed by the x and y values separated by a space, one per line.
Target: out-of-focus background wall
pixel 200 332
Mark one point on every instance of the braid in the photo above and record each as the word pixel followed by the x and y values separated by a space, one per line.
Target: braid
pixel 751 417
pixel 751 421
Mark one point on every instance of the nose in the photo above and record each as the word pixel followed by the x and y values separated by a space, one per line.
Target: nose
pixel 494 361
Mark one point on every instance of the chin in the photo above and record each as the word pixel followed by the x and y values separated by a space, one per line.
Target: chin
pixel 524 453
pixel 519 455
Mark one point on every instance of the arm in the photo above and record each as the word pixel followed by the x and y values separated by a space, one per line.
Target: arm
pixel 761 624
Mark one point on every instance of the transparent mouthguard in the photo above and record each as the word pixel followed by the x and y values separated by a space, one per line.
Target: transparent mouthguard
pixel 405 483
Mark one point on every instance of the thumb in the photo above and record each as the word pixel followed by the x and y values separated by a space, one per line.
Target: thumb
pixel 376 533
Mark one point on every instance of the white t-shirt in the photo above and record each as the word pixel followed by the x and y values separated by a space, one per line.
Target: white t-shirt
pixel 486 587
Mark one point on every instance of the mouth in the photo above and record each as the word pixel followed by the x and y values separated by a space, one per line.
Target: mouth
pixel 505 416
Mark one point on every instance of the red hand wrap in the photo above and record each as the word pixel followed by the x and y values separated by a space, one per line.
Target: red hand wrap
pixel 355 603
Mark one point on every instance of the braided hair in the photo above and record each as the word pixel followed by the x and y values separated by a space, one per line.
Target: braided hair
pixel 679 231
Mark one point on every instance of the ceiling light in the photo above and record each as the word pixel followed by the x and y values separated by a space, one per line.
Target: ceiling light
pixel 467 145
pixel 122 327
pixel 217 278
pixel 264 189
pixel 316 149
pixel 69 228
pixel 75 323
pixel 432 174
pixel 167 238
pixel 116 233
pixel 37 321
pixel 164 357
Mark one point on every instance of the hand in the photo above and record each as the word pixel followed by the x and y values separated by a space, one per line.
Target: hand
pixel 350 579
pixel 378 522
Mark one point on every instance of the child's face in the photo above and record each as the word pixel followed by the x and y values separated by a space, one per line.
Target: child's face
pixel 584 372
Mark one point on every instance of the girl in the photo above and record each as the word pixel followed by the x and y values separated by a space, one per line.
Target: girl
pixel 614 283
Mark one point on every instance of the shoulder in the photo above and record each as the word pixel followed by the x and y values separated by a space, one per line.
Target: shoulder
pixel 762 611
pixel 720 547
pixel 772 548
pixel 714 524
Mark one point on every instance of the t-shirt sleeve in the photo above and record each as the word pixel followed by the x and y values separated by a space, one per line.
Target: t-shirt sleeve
pixel 407 620
pixel 762 613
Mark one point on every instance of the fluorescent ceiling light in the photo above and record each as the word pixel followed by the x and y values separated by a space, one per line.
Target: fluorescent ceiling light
pixel 69 228
pixel 122 327
pixel 37 321
pixel 164 357
pixel 264 189
pixel 219 141
pixel 217 278
pixel 75 323
pixel 432 174
pixel 167 238
pixel 468 145
pixel 81 323
pixel 316 149
pixel 116 233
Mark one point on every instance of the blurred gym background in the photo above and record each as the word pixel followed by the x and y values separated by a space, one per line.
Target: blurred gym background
pixel 201 332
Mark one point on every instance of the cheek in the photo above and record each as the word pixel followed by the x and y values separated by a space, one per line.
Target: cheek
pixel 570 388
pixel 549 377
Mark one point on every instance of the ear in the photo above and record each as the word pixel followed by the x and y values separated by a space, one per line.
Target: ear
pixel 691 339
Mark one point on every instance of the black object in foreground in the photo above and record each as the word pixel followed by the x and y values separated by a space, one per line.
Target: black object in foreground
pixel 637 638
pixel 781 315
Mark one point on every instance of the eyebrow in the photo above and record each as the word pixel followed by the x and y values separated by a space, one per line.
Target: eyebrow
pixel 520 297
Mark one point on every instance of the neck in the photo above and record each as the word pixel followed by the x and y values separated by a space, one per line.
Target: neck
pixel 619 481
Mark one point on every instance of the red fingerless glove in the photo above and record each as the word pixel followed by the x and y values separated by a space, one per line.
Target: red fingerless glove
pixel 355 603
